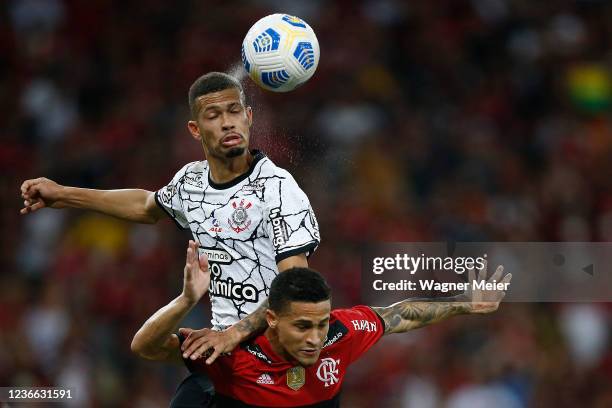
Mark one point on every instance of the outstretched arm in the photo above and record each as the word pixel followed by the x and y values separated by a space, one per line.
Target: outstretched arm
pixel 156 339
pixel 411 314
pixel 199 342
pixel 130 204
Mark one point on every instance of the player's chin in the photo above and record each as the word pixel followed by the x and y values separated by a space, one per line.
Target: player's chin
pixel 308 358
pixel 235 152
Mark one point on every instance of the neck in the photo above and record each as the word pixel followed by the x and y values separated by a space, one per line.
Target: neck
pixel 223 170
pixel 272 337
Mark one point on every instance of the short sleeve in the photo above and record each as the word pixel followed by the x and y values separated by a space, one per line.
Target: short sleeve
pixel 291 222
pixel 169 199
pixel 365 326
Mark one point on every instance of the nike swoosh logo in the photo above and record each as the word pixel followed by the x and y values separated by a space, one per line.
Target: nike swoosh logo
pixel 190 209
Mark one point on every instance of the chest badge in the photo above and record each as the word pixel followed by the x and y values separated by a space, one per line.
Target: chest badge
pixel 239 219
pixel 296 377
pixel 216 227
pixel 328 371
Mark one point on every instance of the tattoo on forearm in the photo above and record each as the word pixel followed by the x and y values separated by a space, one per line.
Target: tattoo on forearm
pixel 408 315
pixel 254 322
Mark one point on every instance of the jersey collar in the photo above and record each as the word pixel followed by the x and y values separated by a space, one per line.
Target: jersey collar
pixel 257 156
pixel 265 346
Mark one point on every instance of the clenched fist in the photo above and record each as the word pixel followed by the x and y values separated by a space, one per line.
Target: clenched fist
pixel 39 193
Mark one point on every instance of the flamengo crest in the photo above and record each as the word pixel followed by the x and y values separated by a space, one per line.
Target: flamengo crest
pixel 328 371
pixel 239 220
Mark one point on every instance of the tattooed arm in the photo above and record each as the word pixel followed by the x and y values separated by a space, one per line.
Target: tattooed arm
pixel 211 344
pixel 411 314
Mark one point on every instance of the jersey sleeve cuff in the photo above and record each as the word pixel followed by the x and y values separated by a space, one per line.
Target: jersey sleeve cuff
pixel 382 321
pixel 160 205
pixel 308 249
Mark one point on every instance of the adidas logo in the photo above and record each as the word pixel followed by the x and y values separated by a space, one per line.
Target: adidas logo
pixel 265 379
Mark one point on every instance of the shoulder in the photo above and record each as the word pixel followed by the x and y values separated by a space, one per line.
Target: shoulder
pixel 343 325
pixel 250 350
pixel 195 167
pixel 279 182
pixel 359 318
pixel 192 172
pixel 267 168
pixel 338 330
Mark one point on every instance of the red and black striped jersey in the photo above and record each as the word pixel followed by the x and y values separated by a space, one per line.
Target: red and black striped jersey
pixel 255 376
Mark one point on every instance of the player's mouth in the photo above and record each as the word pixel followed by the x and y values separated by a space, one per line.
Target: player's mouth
pixel 231 140
pixel 309 352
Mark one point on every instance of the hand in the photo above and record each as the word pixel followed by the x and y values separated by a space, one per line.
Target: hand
pixel 485 300
pixel 196 277
pixel 208 343
pixel 39 193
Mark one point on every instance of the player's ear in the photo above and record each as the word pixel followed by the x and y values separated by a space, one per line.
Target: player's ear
pixel 194 130
pixel 271 318
pixel 249 113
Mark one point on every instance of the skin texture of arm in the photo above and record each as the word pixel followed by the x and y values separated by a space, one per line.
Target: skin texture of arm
pixel 156 339
pixel 134 205
pixel 200 341
pixel 408 314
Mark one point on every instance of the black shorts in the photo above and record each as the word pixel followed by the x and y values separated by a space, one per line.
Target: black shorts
pixel 195 391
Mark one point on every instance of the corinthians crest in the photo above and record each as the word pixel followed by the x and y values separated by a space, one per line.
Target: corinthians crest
pixel 239 220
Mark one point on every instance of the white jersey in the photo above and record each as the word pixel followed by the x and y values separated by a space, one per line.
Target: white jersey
pixel 245 226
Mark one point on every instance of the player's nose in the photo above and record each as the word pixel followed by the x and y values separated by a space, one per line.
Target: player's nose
pixel 227 123
pixel 313 339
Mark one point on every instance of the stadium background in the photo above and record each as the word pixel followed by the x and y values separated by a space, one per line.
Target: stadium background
pixel 465 120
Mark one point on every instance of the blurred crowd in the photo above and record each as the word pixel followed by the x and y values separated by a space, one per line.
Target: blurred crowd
pixel 471 120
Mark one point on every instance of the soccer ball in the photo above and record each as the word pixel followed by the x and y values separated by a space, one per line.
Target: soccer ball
pixel 280 52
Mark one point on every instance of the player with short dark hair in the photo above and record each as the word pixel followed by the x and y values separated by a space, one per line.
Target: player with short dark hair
pixel 302 357
pixel 248 215
pixel 301 285
pixel 209 83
